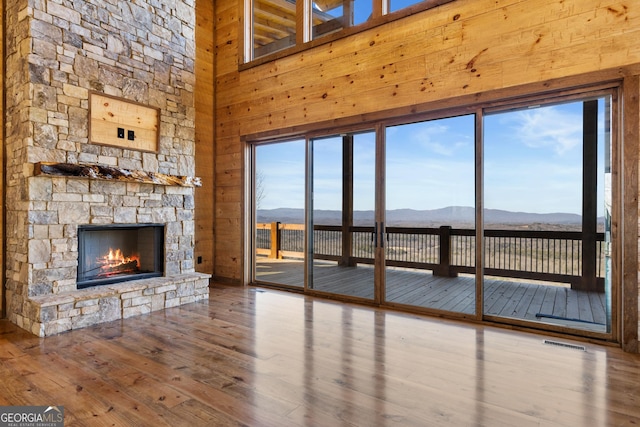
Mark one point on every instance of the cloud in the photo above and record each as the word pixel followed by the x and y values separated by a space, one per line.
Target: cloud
pixel 558 128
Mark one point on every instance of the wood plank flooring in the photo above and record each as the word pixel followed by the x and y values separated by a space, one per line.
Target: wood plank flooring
pixel 536 302
pixel 255 357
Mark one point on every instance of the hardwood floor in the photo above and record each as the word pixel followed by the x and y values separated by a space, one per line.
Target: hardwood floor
pixel 543 303
pixel 255 357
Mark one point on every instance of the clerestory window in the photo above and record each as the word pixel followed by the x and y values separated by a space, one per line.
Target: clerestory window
pixel 275 25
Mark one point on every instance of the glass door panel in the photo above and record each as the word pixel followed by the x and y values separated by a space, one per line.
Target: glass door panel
pixel 343 198
pixel 430 214
pixel 279 195
pixel 547 192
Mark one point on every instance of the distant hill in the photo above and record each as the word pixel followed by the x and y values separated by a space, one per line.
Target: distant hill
pixel 452 215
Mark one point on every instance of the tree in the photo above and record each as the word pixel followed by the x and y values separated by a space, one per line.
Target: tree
pixel 260 188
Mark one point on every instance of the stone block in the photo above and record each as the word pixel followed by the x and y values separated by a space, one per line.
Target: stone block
pixel 185 289
pixel 165 289
pixel 57 326
pixel 80 186
pixel 124 215
pixel 130 295
pixel 71 212
pixel 48 314
pixel 39 251
pixel 59 245
pixel 65 306
pixel 157 302
pixel 145 300
pixel 86 303
pixel 110 309
pixel 83 321
pixel 89 310
pixel 75 91
pixel 172 268
pixel 64 13
pixel 56 231
pixel 105 211
pixel 69 313
pixel 40 189
pixel 40 232
pixel 164 215
pixel 67 197
pixel 172 302
pixel 187 299
pixel 94 198
pixel 43 217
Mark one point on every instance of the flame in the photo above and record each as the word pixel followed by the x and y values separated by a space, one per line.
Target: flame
pixel 116 257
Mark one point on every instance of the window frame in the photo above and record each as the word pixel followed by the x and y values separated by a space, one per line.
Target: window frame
pixel 304 28
pixel 618 321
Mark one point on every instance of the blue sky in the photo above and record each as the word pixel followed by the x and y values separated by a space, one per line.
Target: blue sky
pixel 363 9
pixel 533 163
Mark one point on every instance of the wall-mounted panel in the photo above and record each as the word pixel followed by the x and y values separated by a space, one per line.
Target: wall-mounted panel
pixel 124 124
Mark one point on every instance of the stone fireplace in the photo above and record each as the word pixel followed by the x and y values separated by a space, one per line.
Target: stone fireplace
pixel 58 53
pixel 118 253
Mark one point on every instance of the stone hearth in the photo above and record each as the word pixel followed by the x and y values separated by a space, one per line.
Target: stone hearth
pixel 58 53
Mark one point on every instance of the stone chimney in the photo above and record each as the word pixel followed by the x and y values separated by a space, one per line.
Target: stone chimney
pixel 58 53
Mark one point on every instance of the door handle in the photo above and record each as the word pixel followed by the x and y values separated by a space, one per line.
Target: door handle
pixel 374 234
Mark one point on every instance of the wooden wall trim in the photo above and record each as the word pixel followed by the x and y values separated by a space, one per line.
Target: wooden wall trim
pixel 204 253
pixel 2 160
pixel 630 274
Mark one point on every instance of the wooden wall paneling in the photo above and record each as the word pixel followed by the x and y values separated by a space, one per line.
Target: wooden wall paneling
pixel 630 262
pixel 229 192
pixel 356 82
pixel 328 101
pixel 229 212
pixel 204 135
pixel 228 47
pixel 2 154
pixel 460 50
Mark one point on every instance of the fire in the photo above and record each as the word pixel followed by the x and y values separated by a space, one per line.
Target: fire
pixel 115 262
pixel 116 258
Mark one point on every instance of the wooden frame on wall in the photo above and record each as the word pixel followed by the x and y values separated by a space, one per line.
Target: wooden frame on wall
pixel 122 123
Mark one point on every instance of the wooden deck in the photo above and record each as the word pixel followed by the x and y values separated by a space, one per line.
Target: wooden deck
pixel 549 303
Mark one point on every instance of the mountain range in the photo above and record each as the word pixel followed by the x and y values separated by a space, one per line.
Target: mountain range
pixel 452 215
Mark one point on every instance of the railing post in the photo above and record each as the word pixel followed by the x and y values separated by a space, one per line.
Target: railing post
pixel 444 266
pixel 275 241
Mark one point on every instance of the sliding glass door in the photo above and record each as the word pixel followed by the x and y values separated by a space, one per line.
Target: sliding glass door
pixel 279 220
pixel 504 215
pixel 342 207
pixel 547 218
pixel 430 214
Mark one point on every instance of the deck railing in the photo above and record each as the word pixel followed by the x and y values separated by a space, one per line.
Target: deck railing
pixel 554 256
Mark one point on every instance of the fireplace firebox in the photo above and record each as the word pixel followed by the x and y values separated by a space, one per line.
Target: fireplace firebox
pixel 116 253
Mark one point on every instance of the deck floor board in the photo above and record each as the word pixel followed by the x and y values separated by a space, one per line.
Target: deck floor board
pixel 538 302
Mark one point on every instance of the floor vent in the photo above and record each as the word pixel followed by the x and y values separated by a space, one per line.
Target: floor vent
pixel 562 344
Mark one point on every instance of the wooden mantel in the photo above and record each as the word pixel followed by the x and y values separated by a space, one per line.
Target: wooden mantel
pixel 114 174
